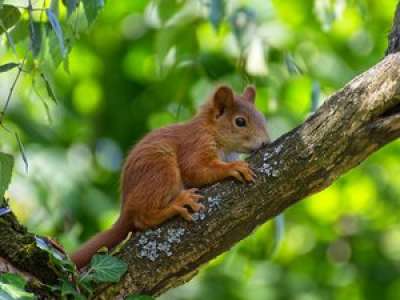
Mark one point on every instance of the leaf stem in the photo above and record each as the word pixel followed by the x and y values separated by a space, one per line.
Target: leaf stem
pixel 3 112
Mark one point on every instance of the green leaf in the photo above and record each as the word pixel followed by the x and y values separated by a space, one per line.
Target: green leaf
pixel 139 297
pixel 20 31
pixel 6 166
pixel 67 289
pixel 9 16
pixel 35 35
pixel 55 24
pixel 13 279
pixel 217 13
pixel 106 268
pixel 12 292
pixel 168 8
pixel 56 56
pixel 92 9
pixel 7 67
pixel 49 89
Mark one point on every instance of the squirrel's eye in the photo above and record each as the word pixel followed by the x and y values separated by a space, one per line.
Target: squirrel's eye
pixel 240 122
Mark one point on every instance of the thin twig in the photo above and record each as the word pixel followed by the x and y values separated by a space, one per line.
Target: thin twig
pixel 20 69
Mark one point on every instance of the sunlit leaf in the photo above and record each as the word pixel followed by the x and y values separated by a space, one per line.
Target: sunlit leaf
pixel 106 268
pixel 9 16
pixel 13 279
pixel 8 66
pixel 217 13
pixel 55 24
pixel 6 166
pixel 10 292
pixel 256 63
pixel 12 288
pixel 92 9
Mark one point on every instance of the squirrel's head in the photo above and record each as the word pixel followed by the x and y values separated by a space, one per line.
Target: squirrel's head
pixel 239 126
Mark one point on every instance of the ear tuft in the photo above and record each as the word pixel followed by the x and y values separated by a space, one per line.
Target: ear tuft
pixel 249 94
pixel 223 99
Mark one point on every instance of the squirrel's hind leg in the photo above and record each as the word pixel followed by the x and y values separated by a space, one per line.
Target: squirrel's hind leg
pixel 178 206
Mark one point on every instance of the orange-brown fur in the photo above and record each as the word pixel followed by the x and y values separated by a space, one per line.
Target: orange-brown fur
pixel 163 170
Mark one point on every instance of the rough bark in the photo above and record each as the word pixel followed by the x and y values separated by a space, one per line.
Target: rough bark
pixel 344 131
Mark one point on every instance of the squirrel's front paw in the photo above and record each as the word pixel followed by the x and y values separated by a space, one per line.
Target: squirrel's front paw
pixel 242 171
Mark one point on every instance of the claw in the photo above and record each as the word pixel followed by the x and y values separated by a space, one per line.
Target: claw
pixel 188 198
pixel 242 172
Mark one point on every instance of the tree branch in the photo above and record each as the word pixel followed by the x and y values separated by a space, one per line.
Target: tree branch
pixel 348 127
pixel 394 36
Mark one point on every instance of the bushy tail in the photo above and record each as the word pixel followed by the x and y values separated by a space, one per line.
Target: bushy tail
pixel 109 238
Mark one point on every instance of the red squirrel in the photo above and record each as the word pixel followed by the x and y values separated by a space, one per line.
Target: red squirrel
pixel 163 171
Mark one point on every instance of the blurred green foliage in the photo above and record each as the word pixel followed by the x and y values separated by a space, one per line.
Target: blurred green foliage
pixel 145 64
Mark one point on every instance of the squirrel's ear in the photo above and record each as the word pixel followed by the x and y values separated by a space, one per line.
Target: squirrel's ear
pixel 223 99
pixel 249 94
